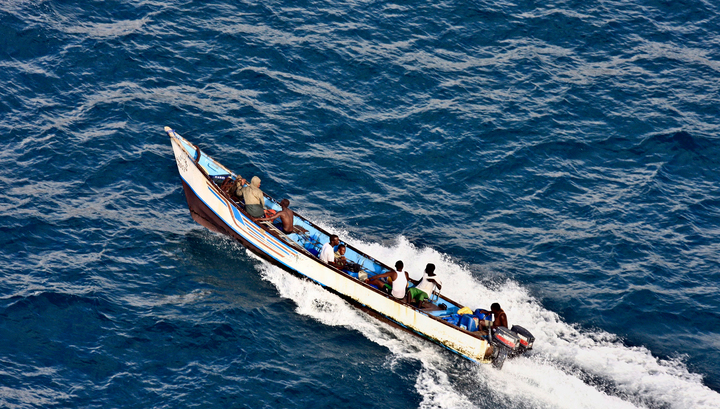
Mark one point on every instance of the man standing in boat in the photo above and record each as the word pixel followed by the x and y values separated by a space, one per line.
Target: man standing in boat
pixel 286 216
pixel 423 287
pixel 254 198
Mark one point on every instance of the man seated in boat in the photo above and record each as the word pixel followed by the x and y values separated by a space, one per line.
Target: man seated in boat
pixel 397 281
pixel 342 263
pixel 287 217
pixel 327 254
pixel 423 287
pixel 340 260
pixel 254 198
pixel 499 315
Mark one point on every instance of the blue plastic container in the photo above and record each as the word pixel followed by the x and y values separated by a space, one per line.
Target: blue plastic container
pixel 469 322
pixel 452 318
pixel 483 317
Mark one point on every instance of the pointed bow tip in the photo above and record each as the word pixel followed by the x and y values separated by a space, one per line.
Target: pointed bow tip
pixel 168 129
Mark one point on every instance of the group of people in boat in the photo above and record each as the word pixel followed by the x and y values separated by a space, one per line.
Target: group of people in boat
pixel 254 200
pixel 395 282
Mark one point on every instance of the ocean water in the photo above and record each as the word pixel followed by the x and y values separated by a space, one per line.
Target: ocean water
pixel 560 158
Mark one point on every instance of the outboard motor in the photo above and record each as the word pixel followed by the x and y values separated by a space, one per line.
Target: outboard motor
pixel 526 339
pixel 504 342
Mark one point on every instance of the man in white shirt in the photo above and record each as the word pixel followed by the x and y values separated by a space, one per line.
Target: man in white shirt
pixel 424 287
pixel 327 254
pixel 395 281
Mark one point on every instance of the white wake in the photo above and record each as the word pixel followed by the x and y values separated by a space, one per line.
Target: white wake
pixel 567 368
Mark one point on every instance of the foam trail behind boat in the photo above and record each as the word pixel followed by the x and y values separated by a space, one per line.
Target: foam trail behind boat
pixel 567 369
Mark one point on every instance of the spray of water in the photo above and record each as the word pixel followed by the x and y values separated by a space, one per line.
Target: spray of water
pixel 568 368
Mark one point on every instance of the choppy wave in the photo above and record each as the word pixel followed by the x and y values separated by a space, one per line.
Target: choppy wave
pixel 559 158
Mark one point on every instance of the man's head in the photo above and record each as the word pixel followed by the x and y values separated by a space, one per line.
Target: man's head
pixel 399 265
pixel 285 203
pixel 334 240
pixel 430 269
pixel 341 249
pixel 255 181
pixel 495 307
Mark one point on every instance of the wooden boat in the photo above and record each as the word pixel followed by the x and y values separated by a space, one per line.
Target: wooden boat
pixel 206 184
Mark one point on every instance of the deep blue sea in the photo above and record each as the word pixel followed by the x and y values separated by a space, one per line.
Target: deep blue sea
pixel 561 158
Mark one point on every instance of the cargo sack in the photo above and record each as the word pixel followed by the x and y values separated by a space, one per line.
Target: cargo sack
pixel 465 310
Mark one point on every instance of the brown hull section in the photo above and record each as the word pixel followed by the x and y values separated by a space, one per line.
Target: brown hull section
pixel 202 214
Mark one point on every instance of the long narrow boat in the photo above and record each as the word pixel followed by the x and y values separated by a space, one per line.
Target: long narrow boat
pixel 206 184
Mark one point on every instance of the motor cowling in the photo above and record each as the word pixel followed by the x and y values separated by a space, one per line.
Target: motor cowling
pixel 509 343
pixel 526 339
pixel 505 344
pixel 505 338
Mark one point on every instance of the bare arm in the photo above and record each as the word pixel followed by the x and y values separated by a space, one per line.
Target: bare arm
pixel 388 274
pixel 416 282
pixel 267 219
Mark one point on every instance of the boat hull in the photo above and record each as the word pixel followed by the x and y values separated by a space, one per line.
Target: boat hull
pixel 213 209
